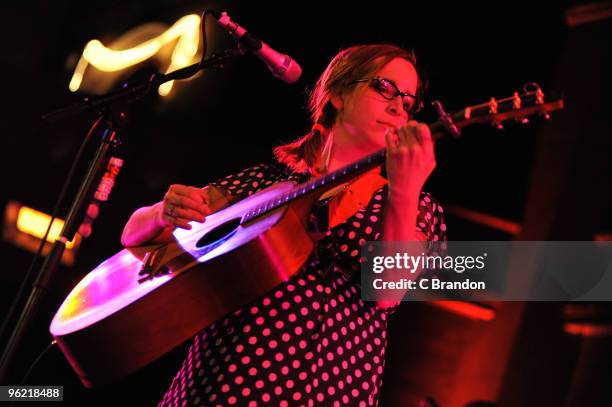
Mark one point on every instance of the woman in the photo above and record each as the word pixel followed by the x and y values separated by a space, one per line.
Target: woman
pixel 312 340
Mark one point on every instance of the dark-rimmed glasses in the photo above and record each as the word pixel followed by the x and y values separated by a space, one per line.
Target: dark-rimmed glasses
pixel 388 90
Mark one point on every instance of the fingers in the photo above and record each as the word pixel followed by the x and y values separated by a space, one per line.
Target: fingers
pixel 391 140
pixel 187 199
pixel 183 204
pixel 166 217
pixel 411 158
pixel 424 135
pixel 185 213
pixel 190 197
pixel 408 135
pixel 414 134
pixel 171 221
pixel 188 207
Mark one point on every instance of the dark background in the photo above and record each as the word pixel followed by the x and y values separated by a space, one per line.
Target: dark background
pixel 231 118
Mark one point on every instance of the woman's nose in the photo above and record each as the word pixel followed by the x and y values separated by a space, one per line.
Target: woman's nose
pixel 395 106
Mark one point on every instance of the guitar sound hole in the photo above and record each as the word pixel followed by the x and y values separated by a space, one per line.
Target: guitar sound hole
pixel 219 234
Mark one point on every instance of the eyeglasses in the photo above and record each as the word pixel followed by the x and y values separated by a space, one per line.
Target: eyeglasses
pixel 388 90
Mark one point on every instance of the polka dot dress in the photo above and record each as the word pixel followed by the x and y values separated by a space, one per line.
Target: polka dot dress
pixel 311 341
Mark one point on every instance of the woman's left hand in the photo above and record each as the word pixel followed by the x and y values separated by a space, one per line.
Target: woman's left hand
pixel 410 159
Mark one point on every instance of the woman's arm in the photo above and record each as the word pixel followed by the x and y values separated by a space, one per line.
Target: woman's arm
pixel 181 205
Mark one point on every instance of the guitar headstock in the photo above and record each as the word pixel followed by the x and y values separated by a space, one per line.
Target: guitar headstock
pixel 519 106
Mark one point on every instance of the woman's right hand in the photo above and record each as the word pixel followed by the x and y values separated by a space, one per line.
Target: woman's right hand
pixel 183 204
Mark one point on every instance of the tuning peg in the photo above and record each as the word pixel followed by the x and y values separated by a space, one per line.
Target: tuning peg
pixel 545 116
pixel 498 125
pixel 493 106
pixel 516 101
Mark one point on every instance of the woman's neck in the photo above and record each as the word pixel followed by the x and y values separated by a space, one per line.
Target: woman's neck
pixel 344 150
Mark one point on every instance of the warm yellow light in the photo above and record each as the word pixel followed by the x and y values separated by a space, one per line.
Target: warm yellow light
pixel 165 88
pixel 186 32
pixel 108 60
pixel 35 223
pixel 75 82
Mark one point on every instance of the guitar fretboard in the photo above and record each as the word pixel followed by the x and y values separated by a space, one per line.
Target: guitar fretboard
pixel 340 175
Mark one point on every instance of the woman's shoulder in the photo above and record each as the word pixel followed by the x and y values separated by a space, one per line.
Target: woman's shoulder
pixel 256 177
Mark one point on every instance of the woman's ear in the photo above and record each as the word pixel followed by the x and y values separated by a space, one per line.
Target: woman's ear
pixel 337 102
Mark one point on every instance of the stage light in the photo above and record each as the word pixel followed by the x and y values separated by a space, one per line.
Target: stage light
pixel 130 50
pixel 25 227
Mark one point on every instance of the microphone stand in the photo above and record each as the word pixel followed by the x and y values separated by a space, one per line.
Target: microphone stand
pixel 109 141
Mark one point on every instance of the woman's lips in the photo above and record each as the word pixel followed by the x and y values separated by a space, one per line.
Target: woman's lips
pixel 387 125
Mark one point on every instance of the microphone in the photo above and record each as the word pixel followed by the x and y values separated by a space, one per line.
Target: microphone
pixel 282 66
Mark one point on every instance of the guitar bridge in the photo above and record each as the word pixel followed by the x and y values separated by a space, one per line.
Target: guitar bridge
pixel 148 270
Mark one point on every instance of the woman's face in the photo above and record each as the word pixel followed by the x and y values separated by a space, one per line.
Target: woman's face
pixel 365 116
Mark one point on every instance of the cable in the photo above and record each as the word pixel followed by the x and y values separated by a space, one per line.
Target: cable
pixel 205 13
pixel 27 373
pixel 32 366
pixel 60 200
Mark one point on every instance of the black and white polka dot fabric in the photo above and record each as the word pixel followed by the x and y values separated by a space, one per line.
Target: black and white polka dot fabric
pixel 310 342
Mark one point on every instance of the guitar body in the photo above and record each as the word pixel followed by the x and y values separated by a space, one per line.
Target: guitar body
pixel 118 319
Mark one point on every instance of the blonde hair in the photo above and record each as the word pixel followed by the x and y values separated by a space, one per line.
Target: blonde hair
pixel 349 65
